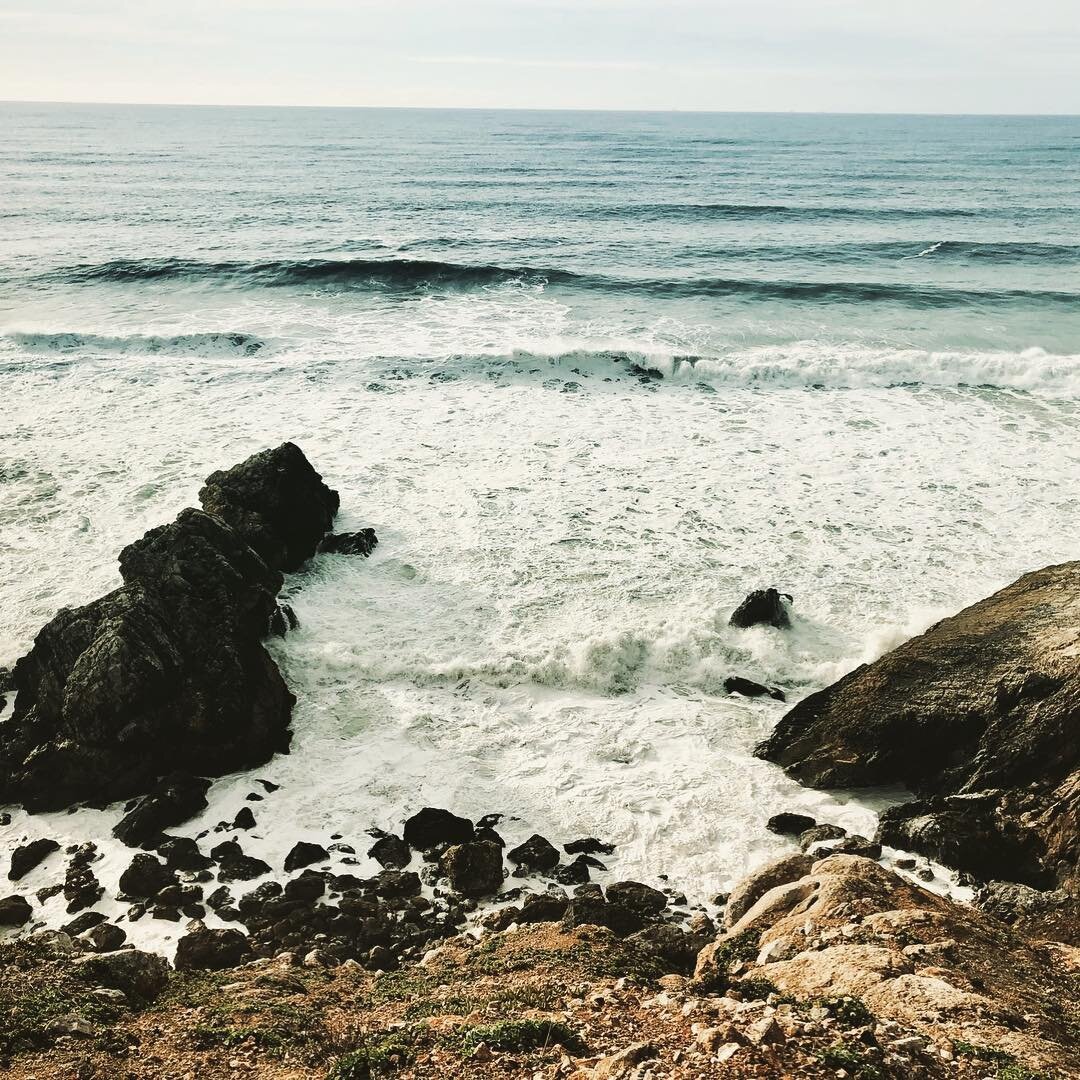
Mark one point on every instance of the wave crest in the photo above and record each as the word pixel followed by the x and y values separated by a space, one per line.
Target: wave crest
pixel 209 344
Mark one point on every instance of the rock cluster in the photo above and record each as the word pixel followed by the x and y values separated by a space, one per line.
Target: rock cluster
pixel 978 716
pixel 168 673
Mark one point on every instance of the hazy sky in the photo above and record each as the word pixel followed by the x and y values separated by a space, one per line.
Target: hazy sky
pixel 811 55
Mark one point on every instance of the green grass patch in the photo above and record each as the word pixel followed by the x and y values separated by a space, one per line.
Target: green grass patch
pixel 380 1053
pixel 984 1053
pixel 520 1035
pixel 744 948
pixel 850 1057
pixel 850 1011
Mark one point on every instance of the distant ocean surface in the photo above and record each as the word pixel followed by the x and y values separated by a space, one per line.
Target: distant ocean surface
pixel 591 377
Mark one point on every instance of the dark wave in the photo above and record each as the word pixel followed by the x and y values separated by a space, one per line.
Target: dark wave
pixel 780 212
pixel 416 274
pixel 397 273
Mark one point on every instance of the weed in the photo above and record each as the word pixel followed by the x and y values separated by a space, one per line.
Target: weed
pixel 850 1011
pixel 521 1035
pixel 379 1053
pixel 848 1056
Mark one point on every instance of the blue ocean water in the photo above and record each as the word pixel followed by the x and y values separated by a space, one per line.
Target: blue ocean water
pixel 701 232
pixel 591 377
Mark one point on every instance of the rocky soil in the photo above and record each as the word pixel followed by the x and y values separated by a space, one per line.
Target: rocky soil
pixel 846 971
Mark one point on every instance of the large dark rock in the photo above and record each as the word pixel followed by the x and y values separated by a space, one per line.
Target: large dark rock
pixel 182 853
pixel 201 949
pixel 277 503
pixel 304 854
pixel 763 607
pixel 978 716
pixel 176 798
pixel 25 858
pixel 168 672
pixel 431 826
pixel 474 868
pixel 391 852
pixel 15 910
pixel 535 854
pixel 789 824
pixel 234 865
pixel 140 975
pixel 146 876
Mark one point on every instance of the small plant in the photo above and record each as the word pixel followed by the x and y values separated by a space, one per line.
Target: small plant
pixel 521 1035
pixel 744 948
pixel 755 988
pixel 850 1011
pixel 983 1053
pixel 381 1053
pixel 1021 1072
pixel 848 1056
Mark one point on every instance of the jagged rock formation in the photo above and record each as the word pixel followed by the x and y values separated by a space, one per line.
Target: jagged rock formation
pixel 168 672
pixel 980 717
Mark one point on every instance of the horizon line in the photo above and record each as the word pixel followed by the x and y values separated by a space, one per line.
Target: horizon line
pixel 692 110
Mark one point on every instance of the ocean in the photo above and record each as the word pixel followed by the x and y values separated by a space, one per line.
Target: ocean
pixel 591 377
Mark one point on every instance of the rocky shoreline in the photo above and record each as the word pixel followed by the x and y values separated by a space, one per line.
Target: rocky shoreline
pixel 822 963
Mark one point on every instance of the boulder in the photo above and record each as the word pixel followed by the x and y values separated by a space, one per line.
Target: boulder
pixel 182 853
pixel 748 891
pixel 975 716
pixel 168 672
pixel 736 684
pixel 15 910
pixel 355 543
pixel 305 854
pixel 535 854
pixel 140 975
pixel 201 949
pixel 146 876
pixel 543 907
pixel 234 865
pixel 636 897
pixel 305 887
pixel 276 502
pixel 391 852
pixel 26 857
pixel 788 824
pixel 431 827
pixel 104 937
pixel 474 868
pixel 81 923
pixel 763 607
pixel 175 799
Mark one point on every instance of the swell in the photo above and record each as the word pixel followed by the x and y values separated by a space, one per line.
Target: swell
pixel 223 344
pixel 415 274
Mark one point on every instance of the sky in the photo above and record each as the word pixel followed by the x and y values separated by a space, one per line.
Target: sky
pixel 966 56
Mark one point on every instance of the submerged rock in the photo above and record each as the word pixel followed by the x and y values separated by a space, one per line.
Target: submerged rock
pixel 763 607
pixel 977 716
pixel 357 543
pixel 736 684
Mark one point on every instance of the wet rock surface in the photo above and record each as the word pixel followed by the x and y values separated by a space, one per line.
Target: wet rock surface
pixel 763 607
pixel 168 672
pixel 975 717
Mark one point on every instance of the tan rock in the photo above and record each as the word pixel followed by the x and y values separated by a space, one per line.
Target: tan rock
pixel 780 871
